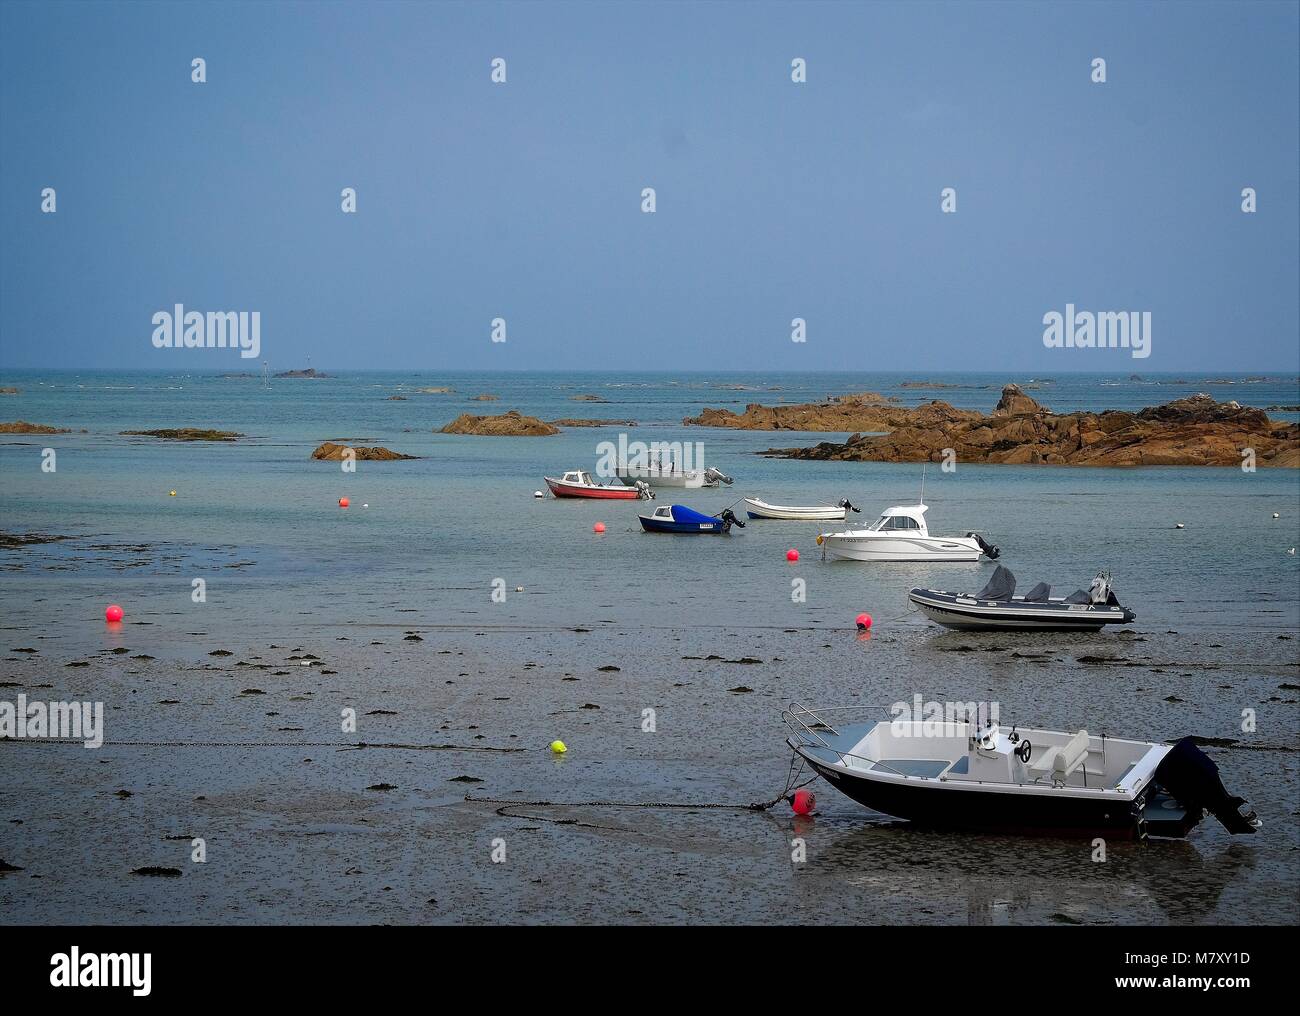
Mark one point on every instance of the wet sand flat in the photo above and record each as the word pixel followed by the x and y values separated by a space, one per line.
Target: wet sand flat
pixel 294 833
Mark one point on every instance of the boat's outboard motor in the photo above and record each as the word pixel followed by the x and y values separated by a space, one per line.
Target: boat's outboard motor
pixel 990 551
pixel 1099 590
pixel 729 519
pixel 1192 778
pixel 643 491
pixel 847 505
pixel 712 475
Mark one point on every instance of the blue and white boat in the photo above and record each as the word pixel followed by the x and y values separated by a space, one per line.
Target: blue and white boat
pixel 677 518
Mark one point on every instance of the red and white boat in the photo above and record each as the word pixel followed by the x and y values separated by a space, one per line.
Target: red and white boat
pixel 577 483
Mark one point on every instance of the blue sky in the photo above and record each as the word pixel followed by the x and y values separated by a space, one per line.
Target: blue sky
pixel 774 200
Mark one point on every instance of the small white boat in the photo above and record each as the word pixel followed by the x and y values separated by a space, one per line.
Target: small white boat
pixel 900 534
pixel 669 474
pixel 944 773
pixel 760 509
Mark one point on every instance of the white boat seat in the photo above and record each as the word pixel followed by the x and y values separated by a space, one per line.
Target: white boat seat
pixel 1061 762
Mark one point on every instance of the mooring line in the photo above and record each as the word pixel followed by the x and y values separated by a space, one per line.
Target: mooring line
pixel 759 806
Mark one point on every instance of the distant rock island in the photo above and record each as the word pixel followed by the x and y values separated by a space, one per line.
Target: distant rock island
pixel 1196 430
pixel 861 411
pixel 511 424
pixel 587 398
pixel 485 397
pixel 186 434
pixel 333 452
pixel 310 372
pixel 9 390
pixel 23 427
pixel 436 391
pixel 571 422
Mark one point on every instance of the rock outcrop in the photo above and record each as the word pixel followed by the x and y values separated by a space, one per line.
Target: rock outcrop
pixel 587 398
pixel 571 422
pixel 23 427
pixel 309 373
pixel 335 453
pixel 186 434
pixel 511 424
pixel 1193 431
pixel 863 412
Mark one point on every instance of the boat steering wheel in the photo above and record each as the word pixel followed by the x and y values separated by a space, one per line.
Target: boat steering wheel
pixel 1023 751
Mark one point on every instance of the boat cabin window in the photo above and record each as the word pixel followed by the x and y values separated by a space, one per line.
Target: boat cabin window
pixel 889 523
pixel 663 513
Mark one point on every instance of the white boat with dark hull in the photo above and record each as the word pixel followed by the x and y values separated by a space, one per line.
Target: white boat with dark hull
pixel 760 509
pixel 996 607
pixel 900 534
pixel 1047 782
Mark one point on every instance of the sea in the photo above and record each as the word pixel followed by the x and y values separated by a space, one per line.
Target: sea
pixel 450 606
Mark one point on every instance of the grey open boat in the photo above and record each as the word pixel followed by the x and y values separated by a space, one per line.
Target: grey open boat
pixel 996 607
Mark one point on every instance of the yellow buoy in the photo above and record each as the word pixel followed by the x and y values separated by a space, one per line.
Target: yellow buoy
pixel 558 747
pixel 171 493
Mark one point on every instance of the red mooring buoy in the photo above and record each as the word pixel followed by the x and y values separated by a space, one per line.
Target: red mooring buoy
pixel 804 802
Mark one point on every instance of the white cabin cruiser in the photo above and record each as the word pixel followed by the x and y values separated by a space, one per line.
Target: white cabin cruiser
pixel 944 773
pixel 900 534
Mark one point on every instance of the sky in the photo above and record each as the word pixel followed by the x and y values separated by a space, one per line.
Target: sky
pixel 774 200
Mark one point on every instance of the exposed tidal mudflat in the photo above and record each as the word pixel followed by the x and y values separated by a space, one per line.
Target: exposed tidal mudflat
pixel 387 610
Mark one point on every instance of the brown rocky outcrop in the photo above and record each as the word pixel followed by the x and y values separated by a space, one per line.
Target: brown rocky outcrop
pixel 1193 431
pixel 23 427
pixel 335 453
pixel 863 412
pixel 571 422
pixel 511 424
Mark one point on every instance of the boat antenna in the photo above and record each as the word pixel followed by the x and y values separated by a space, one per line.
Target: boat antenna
pixel 922 501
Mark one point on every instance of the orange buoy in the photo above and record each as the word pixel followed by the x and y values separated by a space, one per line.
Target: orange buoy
pixel 112 612
pixel 599 527
pixel 344 502
pixel 792 555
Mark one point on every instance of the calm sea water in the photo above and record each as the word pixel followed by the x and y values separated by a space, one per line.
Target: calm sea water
pixel 1218 606
pixel 260 519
